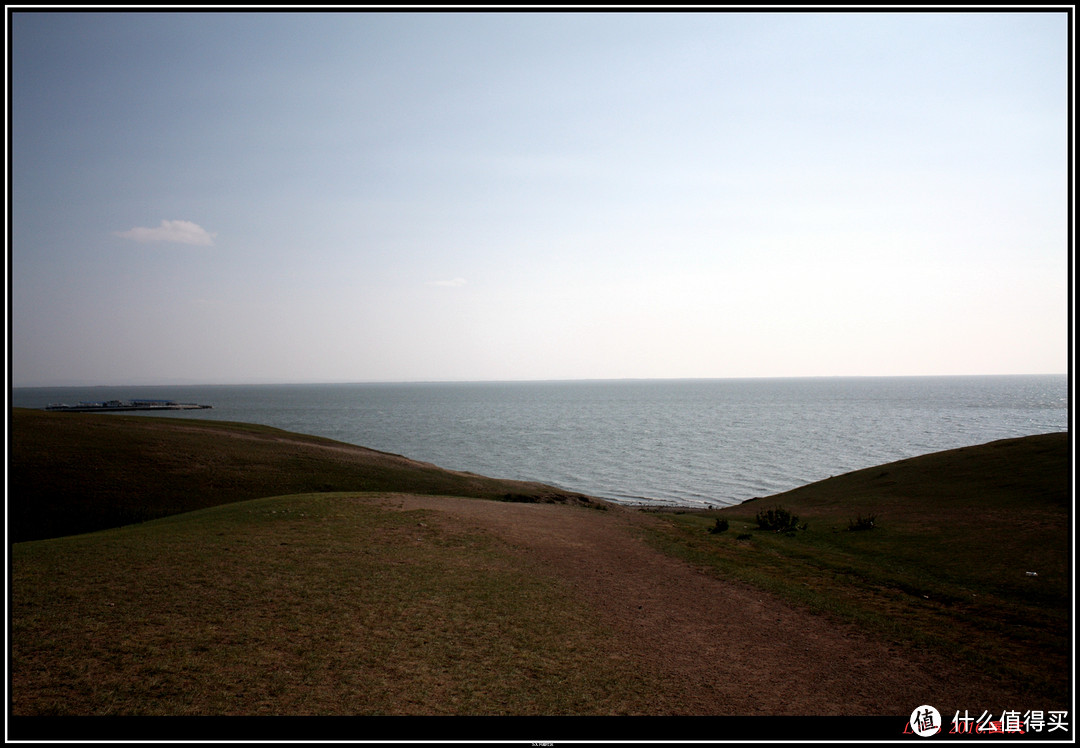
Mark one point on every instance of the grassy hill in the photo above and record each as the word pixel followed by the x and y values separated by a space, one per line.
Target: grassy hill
pixel 326 604
pixel 271 562
pixel 78 472
pixel 968 553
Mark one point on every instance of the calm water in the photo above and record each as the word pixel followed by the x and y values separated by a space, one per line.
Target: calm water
pixel 684 442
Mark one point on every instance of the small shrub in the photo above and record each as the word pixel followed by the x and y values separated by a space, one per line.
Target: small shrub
pixel 720 526
pixel 779 519
pixel 862 523
pixel 744 536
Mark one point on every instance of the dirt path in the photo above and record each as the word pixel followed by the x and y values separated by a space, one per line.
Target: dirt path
pixel 720 647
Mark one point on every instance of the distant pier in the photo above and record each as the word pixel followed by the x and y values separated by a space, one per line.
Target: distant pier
pixel 112 406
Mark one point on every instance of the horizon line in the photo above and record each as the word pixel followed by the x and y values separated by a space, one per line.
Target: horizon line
pixel 520 381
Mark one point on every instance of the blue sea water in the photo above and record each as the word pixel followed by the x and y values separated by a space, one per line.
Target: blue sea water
pixel 674 442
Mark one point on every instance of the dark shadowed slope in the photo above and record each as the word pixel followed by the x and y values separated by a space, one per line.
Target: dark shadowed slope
pixel 73 472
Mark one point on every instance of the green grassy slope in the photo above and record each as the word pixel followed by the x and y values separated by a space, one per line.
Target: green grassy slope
pixel 969 560
pixel 970 553
pixel 76 472
pixel 316 604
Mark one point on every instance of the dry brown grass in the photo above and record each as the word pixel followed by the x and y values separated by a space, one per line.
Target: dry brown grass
pixel 322 604
pixel 946 567
pixel 354 603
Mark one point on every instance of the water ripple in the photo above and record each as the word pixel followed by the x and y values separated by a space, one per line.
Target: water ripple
pixel 687 442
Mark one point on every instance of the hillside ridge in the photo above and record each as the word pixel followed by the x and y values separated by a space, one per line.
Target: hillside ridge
pixel 74 473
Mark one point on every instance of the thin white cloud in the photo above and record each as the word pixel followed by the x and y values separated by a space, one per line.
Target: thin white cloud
pixel 177 232
pixel 448 283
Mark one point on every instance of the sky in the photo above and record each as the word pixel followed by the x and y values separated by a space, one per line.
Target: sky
pixel 254 197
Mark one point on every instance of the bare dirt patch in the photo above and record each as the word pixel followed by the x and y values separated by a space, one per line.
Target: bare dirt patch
pixel 719 647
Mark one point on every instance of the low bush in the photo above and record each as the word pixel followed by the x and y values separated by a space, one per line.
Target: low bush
pixel 779 519
pixel 862 523
pixel 720 526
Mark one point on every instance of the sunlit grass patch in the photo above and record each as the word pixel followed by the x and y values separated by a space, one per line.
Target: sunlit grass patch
pixel 316 604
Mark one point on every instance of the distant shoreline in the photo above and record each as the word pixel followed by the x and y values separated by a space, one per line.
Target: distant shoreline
pixel 120 406
pixel 597 380
pixel 683 443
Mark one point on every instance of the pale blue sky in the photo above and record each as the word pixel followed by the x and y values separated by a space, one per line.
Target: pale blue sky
pixel 259 197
